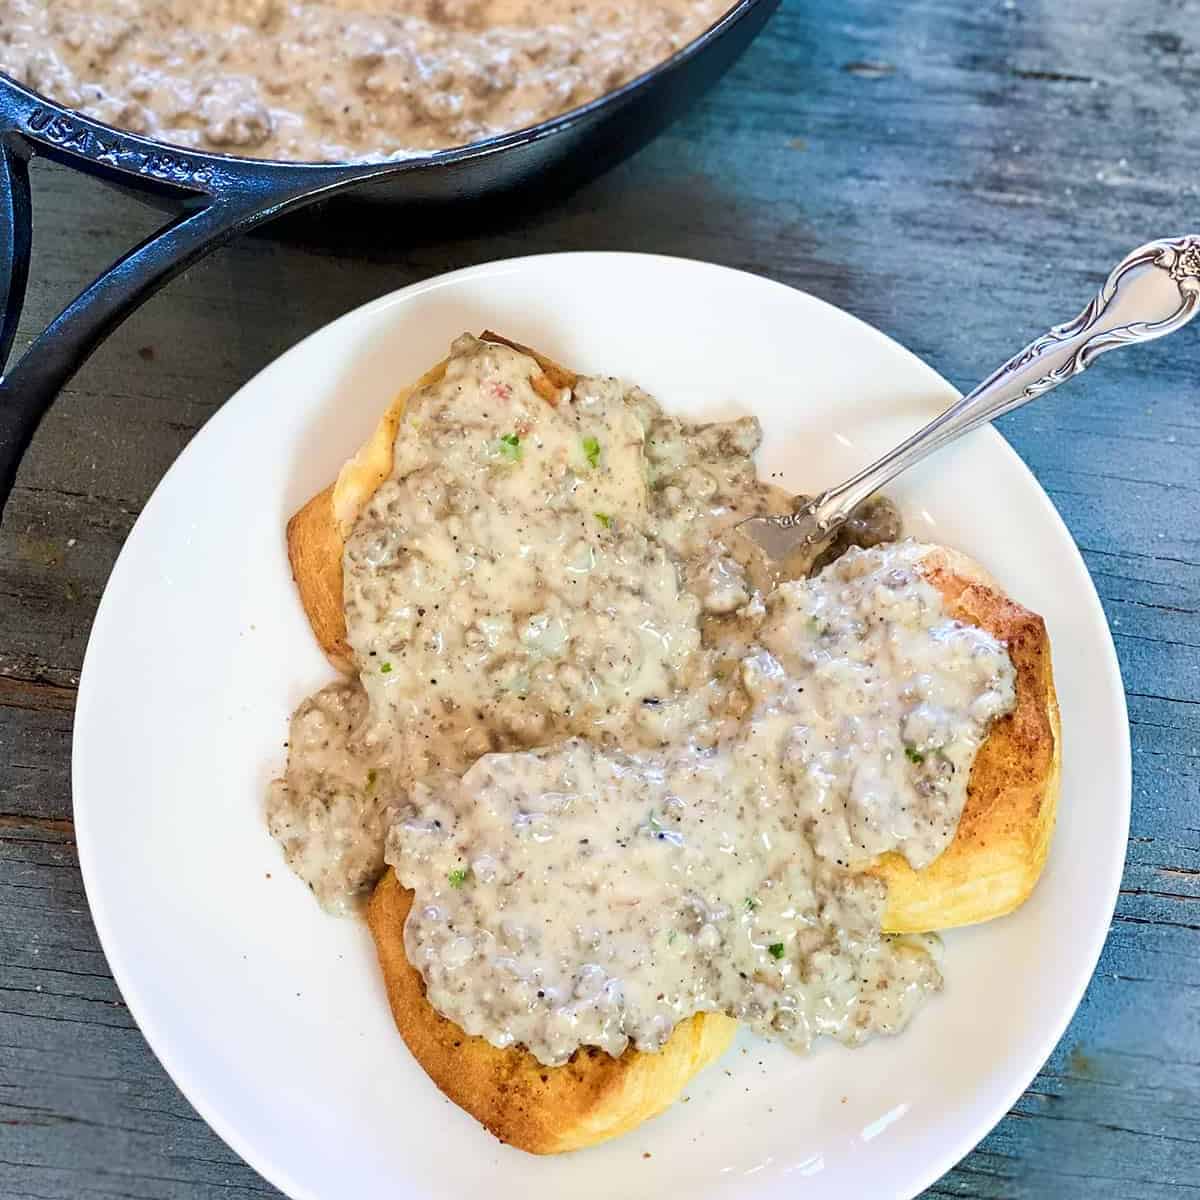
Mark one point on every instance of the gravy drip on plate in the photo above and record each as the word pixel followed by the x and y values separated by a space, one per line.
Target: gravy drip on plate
pixel 336 80
pixel 624 784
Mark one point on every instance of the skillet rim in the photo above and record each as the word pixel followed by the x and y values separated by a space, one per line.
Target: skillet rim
pixel 319 173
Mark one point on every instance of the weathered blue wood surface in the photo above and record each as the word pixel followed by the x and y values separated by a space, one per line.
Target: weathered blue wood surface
pixel 957 174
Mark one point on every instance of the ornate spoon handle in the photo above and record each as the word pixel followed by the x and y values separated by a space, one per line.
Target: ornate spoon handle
pixel 1150 293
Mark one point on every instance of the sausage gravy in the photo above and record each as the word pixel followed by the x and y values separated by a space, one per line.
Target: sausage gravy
pixel 625 783
pixel 336 80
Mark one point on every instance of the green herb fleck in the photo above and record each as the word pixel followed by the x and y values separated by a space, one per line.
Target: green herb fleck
pixel 672 936
pixel 384 668
pixel 775 950
pixel 912 755
pixel 591 451
pixel 751 903
pixel 510 447
pixel 459 877
pixel 372 776
pixel 604 519
pixel 656 827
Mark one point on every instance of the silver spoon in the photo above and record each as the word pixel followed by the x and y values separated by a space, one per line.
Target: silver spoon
pixel 1150 293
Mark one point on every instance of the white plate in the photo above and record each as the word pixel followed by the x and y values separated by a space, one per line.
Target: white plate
pixel 271 1016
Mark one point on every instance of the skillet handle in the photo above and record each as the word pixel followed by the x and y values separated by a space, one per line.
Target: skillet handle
pixel 31 387
pixel 217 198
pixel 16 230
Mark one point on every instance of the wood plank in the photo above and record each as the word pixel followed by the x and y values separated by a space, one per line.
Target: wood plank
pixel 85 1109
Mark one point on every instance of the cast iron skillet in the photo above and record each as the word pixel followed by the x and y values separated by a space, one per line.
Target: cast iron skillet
pixel 215 197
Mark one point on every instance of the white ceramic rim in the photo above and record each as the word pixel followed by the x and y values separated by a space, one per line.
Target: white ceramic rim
pixel 126 973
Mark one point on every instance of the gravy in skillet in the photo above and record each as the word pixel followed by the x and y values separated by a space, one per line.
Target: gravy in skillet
pixel 336 80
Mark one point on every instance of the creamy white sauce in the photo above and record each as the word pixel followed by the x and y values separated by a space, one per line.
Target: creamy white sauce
pixel 576 896
pixel 624 784
pixel 336 80
pixel 504 589
pixel 501 588
pixel 332 811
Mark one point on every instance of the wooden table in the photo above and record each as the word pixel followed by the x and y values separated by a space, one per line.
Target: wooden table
pixel 956 174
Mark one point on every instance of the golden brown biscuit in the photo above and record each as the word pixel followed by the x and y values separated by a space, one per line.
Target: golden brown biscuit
pixel 317 533
pixel 1004 835
pixel 989 868
pixel 544 1110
